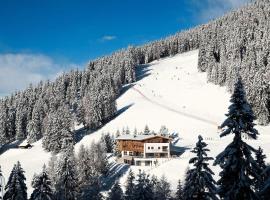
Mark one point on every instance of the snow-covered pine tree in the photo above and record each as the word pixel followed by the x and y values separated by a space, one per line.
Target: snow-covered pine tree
pixel 179 191
pixel 15 188
pixel 143 188
pixel 42 186
pixel 127 132
pixel 100 162
pixel 66 180
pixel 260 160
pixel 86 168
pixel 92 190
pixel 199 183
pixel 163 190
pixel 238 166
pixel 135 132
pixel 58 135
pixel 51 140
pixel 35 124
pixel 146 130
pixel 52 169
pixel 116 192
pixel 130 186
pixel 163 131
pixel 117 134
pixel 108 141
pixel 4 137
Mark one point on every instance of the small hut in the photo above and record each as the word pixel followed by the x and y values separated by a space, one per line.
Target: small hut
pixel 25 145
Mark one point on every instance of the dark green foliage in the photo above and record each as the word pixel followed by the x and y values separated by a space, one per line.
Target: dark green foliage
pixel 179 191
pixel 42 187
pixel 15 188
pixel 116 192
pixel 260 160
pixel 130 187
pixel 199 183
pixel 143 188
pixel 239 168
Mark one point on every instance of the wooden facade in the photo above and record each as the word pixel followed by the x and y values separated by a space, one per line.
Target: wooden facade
pixel 138 145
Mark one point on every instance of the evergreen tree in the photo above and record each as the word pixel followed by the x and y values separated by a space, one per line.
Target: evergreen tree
pixel 179 191
pixel 199 184
pixel 92 190
pixel 130 186
pixel 163 131
pixel 108 141
pixel 52 169
pixel 116 192
pixel 58 135
pixel 16 188
pixel 143 188
pixel 42 186
pixel 238 166
pixel 260 160
pixel 146 130
pixel 163 190
pixel 66 180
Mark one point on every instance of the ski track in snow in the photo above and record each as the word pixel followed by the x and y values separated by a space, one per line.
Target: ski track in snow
pixel 174 110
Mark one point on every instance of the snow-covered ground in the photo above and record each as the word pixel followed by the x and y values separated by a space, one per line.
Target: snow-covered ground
pixel 171 92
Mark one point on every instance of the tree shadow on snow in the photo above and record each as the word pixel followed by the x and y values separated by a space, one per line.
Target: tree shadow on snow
pixel 80 133
pixel 125 88
pixel 12 145
pixel 116 171
pixel 142 72
pixel 178 151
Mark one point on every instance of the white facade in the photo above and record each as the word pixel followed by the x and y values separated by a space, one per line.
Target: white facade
pixel 157 148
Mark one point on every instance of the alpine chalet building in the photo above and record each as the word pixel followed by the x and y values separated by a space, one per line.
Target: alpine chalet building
pixel 143 150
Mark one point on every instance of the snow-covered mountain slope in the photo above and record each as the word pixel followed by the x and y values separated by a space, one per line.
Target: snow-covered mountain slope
pixel 168 92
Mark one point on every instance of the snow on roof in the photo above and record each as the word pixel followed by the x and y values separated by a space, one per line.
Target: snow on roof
pixel 24 143
pixel 138 137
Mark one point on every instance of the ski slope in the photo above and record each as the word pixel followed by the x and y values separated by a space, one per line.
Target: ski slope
pixel 168 92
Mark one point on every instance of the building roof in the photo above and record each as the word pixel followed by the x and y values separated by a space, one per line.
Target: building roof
pixel 139 137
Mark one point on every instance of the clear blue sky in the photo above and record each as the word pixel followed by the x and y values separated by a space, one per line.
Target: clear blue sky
pixel 62 33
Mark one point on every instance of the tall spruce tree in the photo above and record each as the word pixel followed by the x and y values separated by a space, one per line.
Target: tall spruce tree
pixel 16 188
pixel 143 187
pixel 260 160
pixel 179 191
pixel 92 190
pixel 199 184
pixel 116 192
pixel 42 186
pixel 130 186
pixel 66 181
pixel 163 189
pixel 238 166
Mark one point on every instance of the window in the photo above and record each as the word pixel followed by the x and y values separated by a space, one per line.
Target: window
pixel 164 148
pixel 158 147
pixel 125 153
pixel 147 163
pixel 130 153
pixel 152 147
pixel 148 147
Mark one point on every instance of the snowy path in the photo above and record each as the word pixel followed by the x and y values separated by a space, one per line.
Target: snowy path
pixel 175 110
